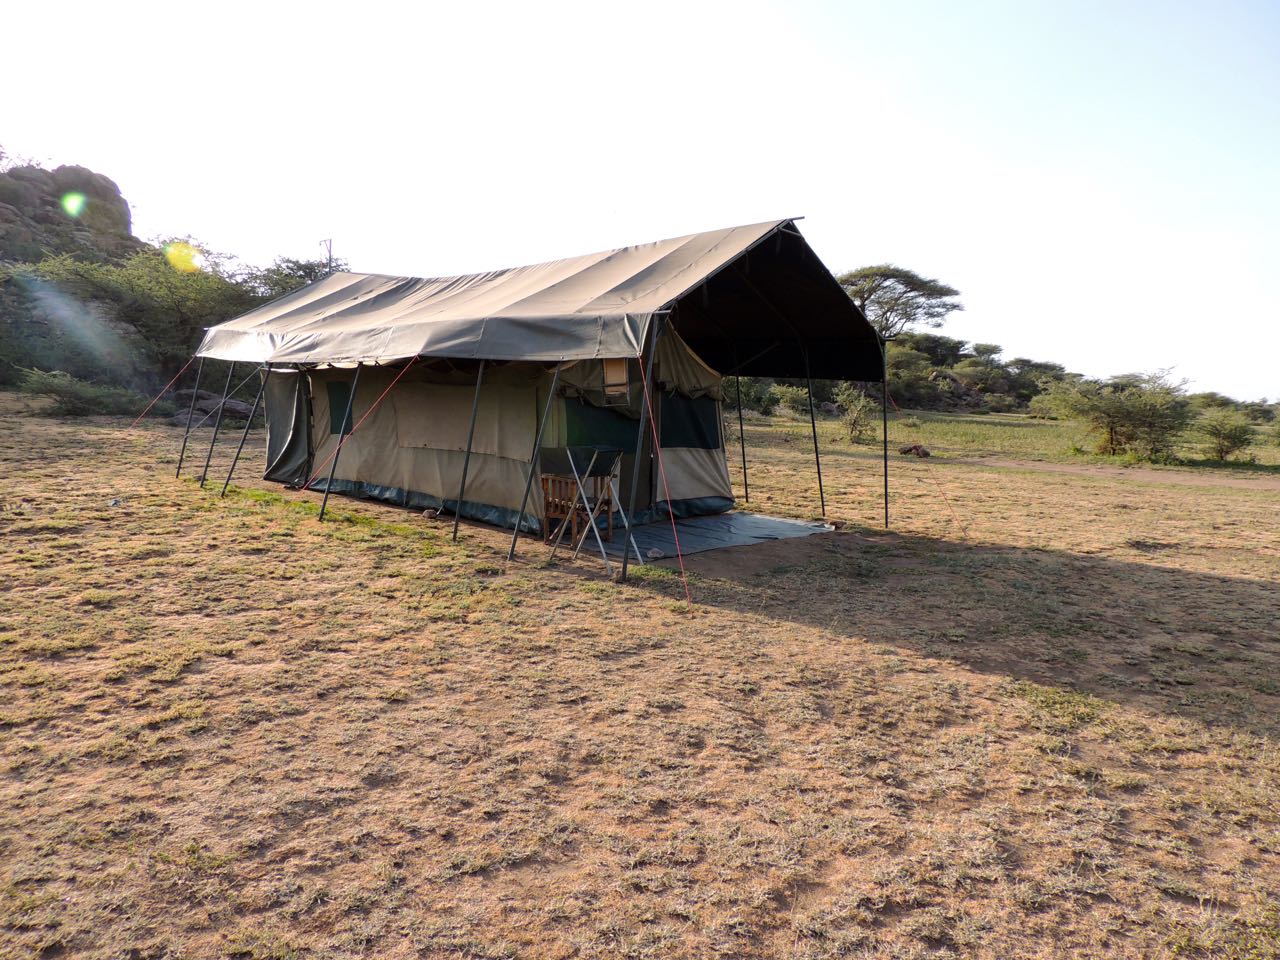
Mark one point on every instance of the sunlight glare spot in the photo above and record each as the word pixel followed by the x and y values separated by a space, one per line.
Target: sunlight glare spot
pixel 184 258
pixel 73 203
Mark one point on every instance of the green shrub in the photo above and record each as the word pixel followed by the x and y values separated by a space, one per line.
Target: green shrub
pixel 858 415
pixel 795 399
pixel 78 398
pixel 756 394
pixel 1224 431
pixel 1000 403
pixel 1137 414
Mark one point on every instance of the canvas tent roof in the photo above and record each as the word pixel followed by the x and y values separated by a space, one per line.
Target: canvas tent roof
pixel 752 299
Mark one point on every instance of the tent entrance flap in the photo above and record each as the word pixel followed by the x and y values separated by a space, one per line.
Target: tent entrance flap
pixel 288 409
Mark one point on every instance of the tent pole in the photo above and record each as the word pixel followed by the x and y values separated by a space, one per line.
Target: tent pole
pixel 191 409
pixel 813 423
pixel 245 436
pixel 533 461
pixel 884 423
pixel 342 432
pixel 466 460
pixel 644 420
pixel 217 424
pixel 742 442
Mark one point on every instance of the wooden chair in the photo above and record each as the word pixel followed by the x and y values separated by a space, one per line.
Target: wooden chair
pixel 561 505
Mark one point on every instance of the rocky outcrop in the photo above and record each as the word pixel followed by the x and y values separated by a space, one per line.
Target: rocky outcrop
pixel 41 213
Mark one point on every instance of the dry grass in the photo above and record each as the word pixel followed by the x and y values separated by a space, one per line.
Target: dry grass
pixel 1037 719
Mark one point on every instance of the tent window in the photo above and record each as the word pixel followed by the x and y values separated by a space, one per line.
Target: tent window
pixel 589 426
pixel 689 422
pixel 617 382
pixel 339 395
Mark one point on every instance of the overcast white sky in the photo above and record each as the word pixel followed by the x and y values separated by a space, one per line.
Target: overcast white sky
pixel 1101 180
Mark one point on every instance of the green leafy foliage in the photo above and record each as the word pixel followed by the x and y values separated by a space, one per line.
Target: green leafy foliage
pixel 1225 431
pixel 894 298
pixel 1139 414
pixel 859 414
pixel 77 398
pixel 795 399
pixel 755 394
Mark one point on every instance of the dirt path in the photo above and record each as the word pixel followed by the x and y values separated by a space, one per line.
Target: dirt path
pixel 1173 475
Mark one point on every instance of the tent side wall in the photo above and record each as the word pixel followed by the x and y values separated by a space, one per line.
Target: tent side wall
pixel 410 450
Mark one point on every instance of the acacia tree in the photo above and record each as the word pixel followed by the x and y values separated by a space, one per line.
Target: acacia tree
pixel 1225 432
pixel 894 298
pixel 1138 413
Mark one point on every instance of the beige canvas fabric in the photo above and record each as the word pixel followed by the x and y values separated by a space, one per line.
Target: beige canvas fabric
pixel 589 307
pixel 406 447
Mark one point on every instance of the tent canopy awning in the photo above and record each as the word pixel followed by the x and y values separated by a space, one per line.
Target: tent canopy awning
pixel 754 300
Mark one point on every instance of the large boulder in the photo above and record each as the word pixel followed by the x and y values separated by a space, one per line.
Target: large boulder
pixel 34 221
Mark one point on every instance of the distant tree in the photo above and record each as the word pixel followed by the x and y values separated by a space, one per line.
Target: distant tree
pixel 1209 400
pixel 942 351
pixel 1225 431
pixel 894 298
pixel 987 351
pixel 1141 414
pixel 1259 411
pixel 1030 378
pixel 286 275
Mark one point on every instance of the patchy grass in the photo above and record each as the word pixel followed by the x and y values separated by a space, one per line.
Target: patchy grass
pixel 1037 718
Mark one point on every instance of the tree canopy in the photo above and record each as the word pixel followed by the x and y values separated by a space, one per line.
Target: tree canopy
pixel 895 298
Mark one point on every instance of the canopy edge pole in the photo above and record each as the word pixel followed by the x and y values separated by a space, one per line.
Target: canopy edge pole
pixel 466 460
pixel 217 425
pixel 742 442
pixel 884 423
pixel 248 423
pixel 533 461
pixel 644 411
pixel 342 432
pixel 813 423
pixel 191 410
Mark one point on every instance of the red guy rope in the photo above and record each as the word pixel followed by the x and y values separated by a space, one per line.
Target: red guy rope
pixel 964 532
pixel 403 371
pixel 163 392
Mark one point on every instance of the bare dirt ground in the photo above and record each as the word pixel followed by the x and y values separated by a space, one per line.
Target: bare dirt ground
pixel 1038 718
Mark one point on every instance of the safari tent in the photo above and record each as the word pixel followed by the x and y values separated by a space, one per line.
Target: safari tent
pixel 447 392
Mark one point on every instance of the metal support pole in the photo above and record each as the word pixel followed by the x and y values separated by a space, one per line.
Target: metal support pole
pixel 342 432
pixel 742 442
pixel 466 461
pixel 813 423
pixel 244 436
pixel 217 425
pixel 533 461
pixel 884 423
pixel 191 410
pixel 644 422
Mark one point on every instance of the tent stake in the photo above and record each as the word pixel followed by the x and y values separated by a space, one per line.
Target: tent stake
pixel 342 432
pixel 245 436
pixel 884 423
pixel 644 411
pixel 813 423
pixel 466 461
pixel 742 442
pixel 533 461
pixel 191 409
pixel 217 424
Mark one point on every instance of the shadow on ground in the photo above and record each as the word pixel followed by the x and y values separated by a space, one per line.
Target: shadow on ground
pixel 1144 634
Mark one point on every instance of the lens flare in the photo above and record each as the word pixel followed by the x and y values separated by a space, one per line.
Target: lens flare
pixel 183 257
pixel 73 204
